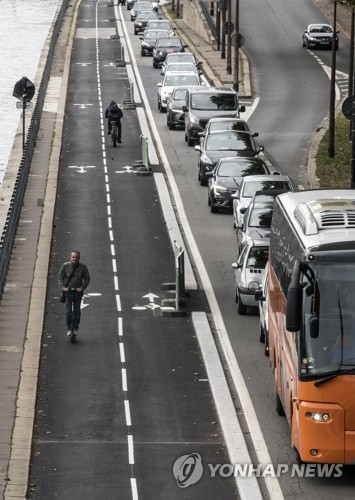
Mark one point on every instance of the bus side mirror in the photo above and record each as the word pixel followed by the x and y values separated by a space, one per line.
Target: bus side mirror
pixel 294 300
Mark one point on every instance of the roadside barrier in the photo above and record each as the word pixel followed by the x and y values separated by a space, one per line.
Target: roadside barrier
pixel 145 155
pixel 179 274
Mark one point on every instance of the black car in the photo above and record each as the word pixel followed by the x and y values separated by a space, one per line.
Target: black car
pixel 164 46
pixel 226 176
pixel 217 145
pixel 148 40
pixel 142 19
pixel 318 36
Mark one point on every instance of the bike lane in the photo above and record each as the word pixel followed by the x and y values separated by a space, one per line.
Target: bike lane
pixel 116 409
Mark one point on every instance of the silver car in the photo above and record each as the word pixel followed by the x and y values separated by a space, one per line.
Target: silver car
pixel 248 271
pixel 262 296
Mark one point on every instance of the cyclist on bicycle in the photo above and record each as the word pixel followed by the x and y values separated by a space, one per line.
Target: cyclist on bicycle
pixel 114 113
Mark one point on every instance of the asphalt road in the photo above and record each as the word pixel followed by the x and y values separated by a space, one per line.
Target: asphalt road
pixel 116 409
pixel 293 89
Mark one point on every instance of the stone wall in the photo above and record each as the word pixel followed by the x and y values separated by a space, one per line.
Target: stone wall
pixel 194 18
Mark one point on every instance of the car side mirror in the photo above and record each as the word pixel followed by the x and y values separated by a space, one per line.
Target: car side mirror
pixel 241 109
pixel 209 174
pixel 184 108
pixel 141 38
pixel 198 148
pixel 185 46
pixel 243 210
pixel 235 196
pixel 256 134
pixel 260 148
pixel 236 265
pixel 159 84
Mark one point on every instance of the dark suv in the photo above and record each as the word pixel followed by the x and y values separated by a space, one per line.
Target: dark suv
pixel 206 103
pixel 164 46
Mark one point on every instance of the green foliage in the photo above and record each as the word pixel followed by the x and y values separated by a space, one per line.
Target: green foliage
pixel 335 172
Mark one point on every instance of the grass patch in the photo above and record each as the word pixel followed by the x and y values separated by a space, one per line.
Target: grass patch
pixel 335 172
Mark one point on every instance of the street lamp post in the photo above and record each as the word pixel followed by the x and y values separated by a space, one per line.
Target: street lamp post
pixel 331 149
pixel 236 48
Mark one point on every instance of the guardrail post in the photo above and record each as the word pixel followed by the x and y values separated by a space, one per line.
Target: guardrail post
pixel 145 155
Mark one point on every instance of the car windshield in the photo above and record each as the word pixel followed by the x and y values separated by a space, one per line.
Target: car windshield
pixel 229 142
pixel 228 125
pixel 145 14
pixel 180 94
pixel 142 6
pixel 169 42
pixel 261 217
pixel 154 34
pixel 221 102
pixel 258 257
pixel 175 80
pixel 250 187
pixel 178 66
pixel 185 57
pixel 321 29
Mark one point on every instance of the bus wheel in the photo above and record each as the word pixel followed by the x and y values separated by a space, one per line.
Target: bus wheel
pixel 278 405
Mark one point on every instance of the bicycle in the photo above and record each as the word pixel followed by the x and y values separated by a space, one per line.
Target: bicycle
pixel 114 133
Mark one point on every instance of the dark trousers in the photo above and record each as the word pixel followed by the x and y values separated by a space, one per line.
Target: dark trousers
pixel 72 309
pixel 118 123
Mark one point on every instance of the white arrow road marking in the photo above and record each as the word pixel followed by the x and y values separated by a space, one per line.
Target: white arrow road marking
pixel 151 297
pixel 126 170
pixel 81 169
pixel 139 308
pixel 94 294
pixel 83 106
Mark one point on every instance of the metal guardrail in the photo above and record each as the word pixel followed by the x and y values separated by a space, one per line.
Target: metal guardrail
pixel 210 21
pixel 14 210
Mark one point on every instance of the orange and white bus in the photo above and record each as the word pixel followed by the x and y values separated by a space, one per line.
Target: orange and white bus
pixel 312 321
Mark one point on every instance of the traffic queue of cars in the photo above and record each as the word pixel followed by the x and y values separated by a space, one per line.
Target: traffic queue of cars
pixel 229 160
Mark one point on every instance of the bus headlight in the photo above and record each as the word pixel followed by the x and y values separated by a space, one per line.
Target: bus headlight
pixel 318 416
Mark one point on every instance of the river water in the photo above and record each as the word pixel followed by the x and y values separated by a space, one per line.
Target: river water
pixel 24 26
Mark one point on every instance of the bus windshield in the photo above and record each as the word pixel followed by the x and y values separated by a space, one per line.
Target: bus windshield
pixel 327 340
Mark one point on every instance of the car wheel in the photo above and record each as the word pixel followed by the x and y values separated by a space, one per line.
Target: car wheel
pixel 266 348
pixel 159 104
pixel 203 180
pixel 190 142
pixel 214 209
pixel 162 110
pixel 209 201
pixel 185 137
pixel 142 53
pixel 303 43
pixel 155 64
pixel 169 124
pixel 242 309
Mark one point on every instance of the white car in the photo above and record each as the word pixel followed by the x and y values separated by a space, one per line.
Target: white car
pixel 249 270
pixel 252 183
pixel 180 66
pixel 262 296
pixel 172 80
pixel 179 57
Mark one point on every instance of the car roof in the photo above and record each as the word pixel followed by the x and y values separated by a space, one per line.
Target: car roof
pixel 225 119
pixel 269 192
pixel 215 90
pixel 270 177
